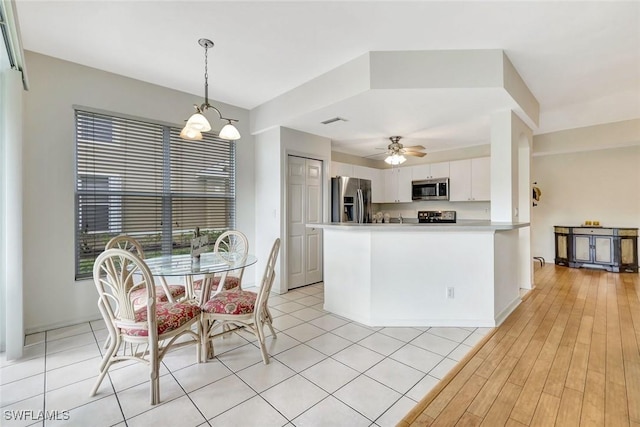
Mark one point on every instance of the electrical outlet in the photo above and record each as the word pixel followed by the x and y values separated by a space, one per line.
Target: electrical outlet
pixel 450 292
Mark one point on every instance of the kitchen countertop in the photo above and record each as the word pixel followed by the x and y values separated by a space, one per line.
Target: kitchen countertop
pixel 461 225
pixel 595 226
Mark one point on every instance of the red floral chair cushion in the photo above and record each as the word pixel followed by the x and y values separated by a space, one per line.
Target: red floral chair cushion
pixel 231 302
pixel 229 283
pixel 139 296
pixel 169 315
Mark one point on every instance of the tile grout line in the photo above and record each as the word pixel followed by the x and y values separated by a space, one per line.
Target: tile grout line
pixel 324 332
pixel 405 343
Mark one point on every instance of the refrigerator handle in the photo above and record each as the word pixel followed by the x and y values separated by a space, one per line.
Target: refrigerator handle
pixel 360 206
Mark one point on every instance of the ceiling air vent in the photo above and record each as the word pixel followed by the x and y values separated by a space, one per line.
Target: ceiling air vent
pixel 333 120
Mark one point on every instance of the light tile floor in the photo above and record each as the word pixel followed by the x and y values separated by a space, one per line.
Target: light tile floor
pixel 324 370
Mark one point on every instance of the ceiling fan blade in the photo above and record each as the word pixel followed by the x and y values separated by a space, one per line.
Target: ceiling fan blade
pixel 374 155
pixel 415 147
pixel 414 153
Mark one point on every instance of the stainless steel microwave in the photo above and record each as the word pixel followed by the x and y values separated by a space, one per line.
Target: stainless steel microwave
pixel 430 189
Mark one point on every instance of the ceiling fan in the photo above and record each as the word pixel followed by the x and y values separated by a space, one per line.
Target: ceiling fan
pixel 396 151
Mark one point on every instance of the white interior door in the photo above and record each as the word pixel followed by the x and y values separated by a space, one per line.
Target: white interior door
pixel 304 206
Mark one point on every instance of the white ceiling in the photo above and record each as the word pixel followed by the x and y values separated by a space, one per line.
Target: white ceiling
pixel 581 60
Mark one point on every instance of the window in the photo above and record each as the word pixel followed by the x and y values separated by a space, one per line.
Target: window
pixel 142 179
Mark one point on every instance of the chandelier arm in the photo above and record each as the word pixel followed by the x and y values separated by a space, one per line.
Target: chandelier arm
pixel 207 106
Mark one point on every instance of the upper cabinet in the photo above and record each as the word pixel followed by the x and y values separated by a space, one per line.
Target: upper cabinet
pixel 397 185
pixel 341 169
pixel 430 171
pixel 470 180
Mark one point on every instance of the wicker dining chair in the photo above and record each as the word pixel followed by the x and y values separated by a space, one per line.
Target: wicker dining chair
pixel 144 334
pixel 230 243
pixel 236 308
pixel 164 291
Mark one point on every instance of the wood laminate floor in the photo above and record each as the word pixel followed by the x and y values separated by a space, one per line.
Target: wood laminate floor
pixel 567 356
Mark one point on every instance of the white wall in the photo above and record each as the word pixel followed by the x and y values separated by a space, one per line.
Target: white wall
pixel 602 185
pixel 52 297
pixel 268 199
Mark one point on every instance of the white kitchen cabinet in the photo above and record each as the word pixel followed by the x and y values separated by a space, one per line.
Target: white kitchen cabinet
pixel 481 178
pixel 470 180
pixel 397 185
pixel 341 169
pixel 440 170
pixel 430 171
pixel 377 182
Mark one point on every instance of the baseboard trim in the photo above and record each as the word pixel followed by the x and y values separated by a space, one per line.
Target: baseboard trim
pixel 507 311
pixel 63 324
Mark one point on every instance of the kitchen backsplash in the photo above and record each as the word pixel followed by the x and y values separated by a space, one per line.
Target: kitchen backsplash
pixel 464 210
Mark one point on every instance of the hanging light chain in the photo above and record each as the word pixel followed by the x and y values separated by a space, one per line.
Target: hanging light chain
pixel 206 74
pixel 206 64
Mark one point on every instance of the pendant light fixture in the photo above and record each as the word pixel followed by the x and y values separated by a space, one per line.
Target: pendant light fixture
pixel 198 123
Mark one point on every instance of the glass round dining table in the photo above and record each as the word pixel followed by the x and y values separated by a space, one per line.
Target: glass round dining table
pixel 209 265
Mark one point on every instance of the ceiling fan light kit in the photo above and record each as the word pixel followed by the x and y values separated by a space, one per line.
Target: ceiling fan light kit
pixel 396 152
pixel 198 123
pixel 395 159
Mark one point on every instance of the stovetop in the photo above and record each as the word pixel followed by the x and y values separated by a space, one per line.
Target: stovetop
pixel 436 217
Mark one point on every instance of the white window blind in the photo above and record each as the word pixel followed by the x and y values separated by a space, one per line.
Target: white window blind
pixel 139 178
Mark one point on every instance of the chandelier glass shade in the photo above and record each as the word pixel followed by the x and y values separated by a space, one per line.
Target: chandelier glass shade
pixel 188 133
pixel 198 123
pixel 395 159
pixel 229 132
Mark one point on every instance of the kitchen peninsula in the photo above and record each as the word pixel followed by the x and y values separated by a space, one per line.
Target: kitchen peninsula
pixel 462 274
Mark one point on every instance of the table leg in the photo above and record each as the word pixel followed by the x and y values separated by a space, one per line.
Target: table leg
pixel 167 291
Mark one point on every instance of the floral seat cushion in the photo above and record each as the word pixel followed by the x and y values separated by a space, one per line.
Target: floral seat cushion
pixel 231 302
pixel 169 315
pixel 229 283
pixel 139 296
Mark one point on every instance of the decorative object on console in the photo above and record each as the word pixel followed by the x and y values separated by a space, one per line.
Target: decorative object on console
pixel 198 123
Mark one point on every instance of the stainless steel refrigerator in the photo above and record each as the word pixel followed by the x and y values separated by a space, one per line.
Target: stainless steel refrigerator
pixel 350 199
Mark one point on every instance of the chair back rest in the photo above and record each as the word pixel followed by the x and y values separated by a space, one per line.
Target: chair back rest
pixel 113 273
pixel 127 243
pixel 232 243
pixel 268 277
